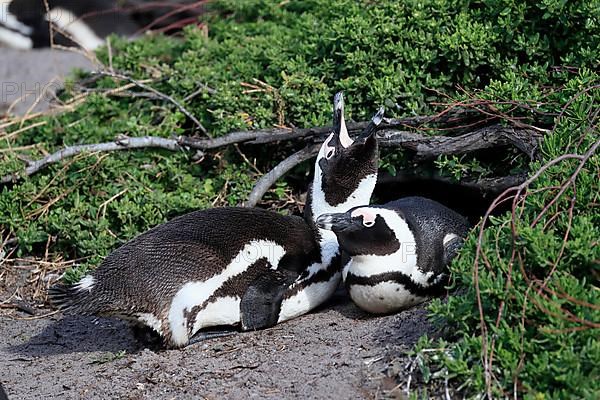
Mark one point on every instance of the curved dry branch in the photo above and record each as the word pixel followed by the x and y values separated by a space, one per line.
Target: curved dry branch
pixel 315 134
pixel 267 180
pixel 429 147
pixel 119 144
pixel 424 146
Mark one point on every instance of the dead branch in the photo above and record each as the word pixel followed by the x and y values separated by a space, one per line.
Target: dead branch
pixel 67 152
pixel 157 93
pixel 424 146
pixel 428 147
pixel 315 134
pixel 267 180
pixel 201 88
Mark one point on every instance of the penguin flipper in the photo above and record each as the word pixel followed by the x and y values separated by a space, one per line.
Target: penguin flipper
pixel 451 249
pixel 261 303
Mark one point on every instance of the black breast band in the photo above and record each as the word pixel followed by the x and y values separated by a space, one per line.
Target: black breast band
pixel 397 277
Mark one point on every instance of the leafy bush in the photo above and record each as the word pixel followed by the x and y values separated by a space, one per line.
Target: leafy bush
pixel 537 274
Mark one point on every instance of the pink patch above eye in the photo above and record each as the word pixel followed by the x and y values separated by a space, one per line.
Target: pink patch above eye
pixel 368 215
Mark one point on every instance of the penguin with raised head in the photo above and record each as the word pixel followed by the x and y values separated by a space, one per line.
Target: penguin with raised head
pixel 398 251
pixel 345 177
pixel 233 266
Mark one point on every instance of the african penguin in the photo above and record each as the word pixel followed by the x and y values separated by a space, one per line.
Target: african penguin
pixel 25 23
pixel 345 176
pixel 398 251
pixel 233 266
pixel 193 271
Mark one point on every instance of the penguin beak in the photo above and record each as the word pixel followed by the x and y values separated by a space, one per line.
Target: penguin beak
pixel 339 123
pixel 335 222
pixel 338 110
pixel 372 127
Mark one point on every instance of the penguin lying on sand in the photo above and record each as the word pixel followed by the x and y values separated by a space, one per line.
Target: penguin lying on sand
pixel 230 266
pixel 398 251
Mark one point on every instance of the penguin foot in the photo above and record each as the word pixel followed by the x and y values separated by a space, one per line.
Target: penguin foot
pixel 212 334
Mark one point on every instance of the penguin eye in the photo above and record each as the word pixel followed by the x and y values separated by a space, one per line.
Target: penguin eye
pixel 330 154
pixel 368 224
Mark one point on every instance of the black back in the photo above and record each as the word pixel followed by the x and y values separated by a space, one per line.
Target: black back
pixel 429 222
pixel 146 272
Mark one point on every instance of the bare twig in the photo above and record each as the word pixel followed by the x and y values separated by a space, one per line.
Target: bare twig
pixel 36 316
pixel 176 10
pixel 119 144
pixel 21 130
pixel 158 93
pixel 266 181
pixel 50 26
pixel 201 88
pixel 110 55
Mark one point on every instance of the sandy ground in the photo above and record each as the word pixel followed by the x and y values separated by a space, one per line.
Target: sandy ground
pixel 30 78
pixel 335 353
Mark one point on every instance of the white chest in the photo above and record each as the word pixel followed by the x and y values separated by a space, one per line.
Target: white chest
pixel 382 298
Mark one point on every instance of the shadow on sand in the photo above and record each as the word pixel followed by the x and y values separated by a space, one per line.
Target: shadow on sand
pixel 408 325
pixel 73 334
pixel 88 334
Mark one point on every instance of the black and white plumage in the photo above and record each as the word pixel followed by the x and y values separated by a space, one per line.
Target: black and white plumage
pixel 192 272
pixel 25 23
pixel 345 176
pixel 398 252
pixel 229 266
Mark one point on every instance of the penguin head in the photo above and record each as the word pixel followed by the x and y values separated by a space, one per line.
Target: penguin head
pixel 346 168
pixel 364 230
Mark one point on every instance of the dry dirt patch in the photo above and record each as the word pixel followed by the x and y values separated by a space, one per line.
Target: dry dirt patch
pixel 337 352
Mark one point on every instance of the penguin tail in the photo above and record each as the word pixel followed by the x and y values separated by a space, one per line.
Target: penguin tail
pixel 60 296
pixel 75 297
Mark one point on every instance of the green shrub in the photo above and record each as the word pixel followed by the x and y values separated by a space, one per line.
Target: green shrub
pixel 543 343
